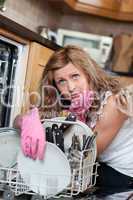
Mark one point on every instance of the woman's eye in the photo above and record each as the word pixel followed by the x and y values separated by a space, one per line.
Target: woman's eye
pixel 75 76
pixel 61 82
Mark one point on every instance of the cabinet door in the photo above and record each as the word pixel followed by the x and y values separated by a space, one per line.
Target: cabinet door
pixel 38 58
pixel 104 4
pixel 118 10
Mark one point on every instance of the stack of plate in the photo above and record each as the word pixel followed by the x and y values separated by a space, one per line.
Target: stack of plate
pixel 46 177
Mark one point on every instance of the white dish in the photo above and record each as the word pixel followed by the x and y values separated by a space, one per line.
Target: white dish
pixel 47 177
pixel 9 147
pixel 78 128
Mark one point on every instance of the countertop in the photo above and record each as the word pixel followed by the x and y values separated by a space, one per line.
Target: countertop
pixel 25 33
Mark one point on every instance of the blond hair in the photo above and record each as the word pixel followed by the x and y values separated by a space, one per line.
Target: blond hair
pixel 99 79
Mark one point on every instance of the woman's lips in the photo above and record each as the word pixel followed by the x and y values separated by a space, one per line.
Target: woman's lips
pixel 75 95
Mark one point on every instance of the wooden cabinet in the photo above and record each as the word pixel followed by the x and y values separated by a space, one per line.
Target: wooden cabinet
pixel 38 57
pixel 115 9
pixel 102 4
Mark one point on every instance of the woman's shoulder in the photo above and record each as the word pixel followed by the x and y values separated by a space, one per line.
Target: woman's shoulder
pixel 111 114
pixel 111 106
pixel 121 102
pixel 107 102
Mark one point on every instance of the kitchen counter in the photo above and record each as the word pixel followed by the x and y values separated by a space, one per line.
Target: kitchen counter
pixel 25 33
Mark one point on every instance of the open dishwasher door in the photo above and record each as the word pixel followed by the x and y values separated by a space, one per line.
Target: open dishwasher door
pixel 13 59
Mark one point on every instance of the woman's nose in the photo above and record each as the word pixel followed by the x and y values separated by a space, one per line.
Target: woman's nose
pixel 71 86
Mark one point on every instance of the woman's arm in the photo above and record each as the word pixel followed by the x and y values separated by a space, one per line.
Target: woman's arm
pixel 109 124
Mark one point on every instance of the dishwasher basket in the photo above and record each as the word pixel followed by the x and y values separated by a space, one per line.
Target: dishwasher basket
pixel 83 172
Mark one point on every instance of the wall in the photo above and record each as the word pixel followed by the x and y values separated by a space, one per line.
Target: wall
pixel 35 13
pixel 31 13
pixel 93 24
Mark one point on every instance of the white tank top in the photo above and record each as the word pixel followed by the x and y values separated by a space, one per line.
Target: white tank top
pixel 119 154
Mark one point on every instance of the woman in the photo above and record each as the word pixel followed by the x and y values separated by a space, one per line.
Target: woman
pixel 73 73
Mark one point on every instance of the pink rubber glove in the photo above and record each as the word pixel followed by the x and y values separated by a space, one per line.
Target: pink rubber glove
pixel 32 135
pixel 81 103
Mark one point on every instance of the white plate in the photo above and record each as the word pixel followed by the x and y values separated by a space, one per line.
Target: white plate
pixel 78 128
pixel 9 147
pixel 49 176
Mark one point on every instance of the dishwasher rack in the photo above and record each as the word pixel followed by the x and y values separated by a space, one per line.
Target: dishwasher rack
pixel 13 184
pixel 83 175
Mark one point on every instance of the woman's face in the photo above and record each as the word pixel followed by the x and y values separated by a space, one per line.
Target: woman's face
pixel 70 80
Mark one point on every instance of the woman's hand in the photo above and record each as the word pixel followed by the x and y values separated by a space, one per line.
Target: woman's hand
pixel 124 100
pixel 32 135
